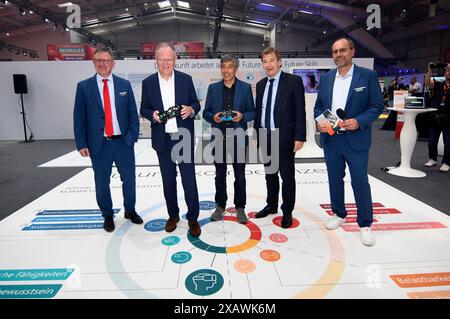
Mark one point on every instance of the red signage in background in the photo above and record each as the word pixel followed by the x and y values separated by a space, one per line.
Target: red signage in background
pixel 70 52
pixel 193 50
pixel 447 55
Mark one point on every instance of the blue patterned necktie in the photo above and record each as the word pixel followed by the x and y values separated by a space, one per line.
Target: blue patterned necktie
pixel 269 105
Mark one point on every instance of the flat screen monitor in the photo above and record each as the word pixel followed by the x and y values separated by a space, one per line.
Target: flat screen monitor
pixel 311 78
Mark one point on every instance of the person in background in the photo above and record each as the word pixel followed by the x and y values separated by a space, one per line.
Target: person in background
pixel 415 88
pixel 440 120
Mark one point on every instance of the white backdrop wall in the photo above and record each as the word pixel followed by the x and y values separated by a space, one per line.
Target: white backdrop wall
pixel 52 85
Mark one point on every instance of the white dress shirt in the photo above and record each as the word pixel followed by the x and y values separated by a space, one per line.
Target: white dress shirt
pixel 112 98
pixel 415 88
pixel 340 89
pixel 272 105
pixel 167 88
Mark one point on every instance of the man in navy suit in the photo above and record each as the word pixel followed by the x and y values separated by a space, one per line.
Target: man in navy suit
pixel 106 126
pixel 356 91
pixel 160 91
pixel 280 115
pixel 227 95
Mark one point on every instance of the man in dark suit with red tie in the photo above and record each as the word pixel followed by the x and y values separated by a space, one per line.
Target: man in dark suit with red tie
pixel 161 91
pixel 106 126
pixel 280 115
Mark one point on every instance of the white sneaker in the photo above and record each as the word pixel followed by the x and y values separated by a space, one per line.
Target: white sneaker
pixel 367 238
pixel 444 168
pixel 334 222
pixel 430 163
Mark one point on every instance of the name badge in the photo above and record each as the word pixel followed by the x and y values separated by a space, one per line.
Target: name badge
pixel 360 89
pixel 123 93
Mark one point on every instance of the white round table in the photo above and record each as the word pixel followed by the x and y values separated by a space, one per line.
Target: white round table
pixel 408 138
pixel 310 148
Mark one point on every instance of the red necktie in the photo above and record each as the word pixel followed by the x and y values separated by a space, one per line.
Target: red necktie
pixel 109 130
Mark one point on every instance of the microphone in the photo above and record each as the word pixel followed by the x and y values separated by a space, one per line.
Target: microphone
pixel 341 113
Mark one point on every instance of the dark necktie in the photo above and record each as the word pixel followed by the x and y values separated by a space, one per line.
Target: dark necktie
pixel 109 130
pixel 269 106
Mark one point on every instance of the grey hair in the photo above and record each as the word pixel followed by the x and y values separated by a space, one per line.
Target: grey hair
pixel 165 45
pixel 228 58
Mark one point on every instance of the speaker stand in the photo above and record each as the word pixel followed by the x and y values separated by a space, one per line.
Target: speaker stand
pixel 24 123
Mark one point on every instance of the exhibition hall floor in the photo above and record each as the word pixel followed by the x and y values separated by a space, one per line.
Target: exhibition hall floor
pixel 54 246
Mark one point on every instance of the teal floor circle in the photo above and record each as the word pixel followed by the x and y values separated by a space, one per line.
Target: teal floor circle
pixel 181 257
pixel 204 282
pixel 170 240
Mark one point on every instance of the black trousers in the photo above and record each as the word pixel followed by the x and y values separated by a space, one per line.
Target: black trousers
pixel 433 140
pixel 286 169
pixel 234 154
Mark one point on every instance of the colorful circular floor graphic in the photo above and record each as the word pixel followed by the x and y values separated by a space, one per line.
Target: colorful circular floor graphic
pixel 255 237
pixel 181 257
pixel 244 266
pixel 170 240
pixel 277 221
pixel 204 282
pixel 206 205
pixel 251 253
pixel 155 225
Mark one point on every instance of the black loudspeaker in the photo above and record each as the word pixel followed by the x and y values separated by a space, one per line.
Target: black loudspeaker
pixel 20 84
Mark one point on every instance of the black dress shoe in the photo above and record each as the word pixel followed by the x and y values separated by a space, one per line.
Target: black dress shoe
pixel 134 217
pixel 108 224
pixel 286 221
pixel 264 212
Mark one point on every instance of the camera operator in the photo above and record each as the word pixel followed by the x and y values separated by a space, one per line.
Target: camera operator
pixel 439 120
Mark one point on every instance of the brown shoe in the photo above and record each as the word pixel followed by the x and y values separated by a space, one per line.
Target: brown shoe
pixel 171 224
pixel 194 228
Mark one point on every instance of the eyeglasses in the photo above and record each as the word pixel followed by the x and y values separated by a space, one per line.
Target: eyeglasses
pixel 343 50
pixel 102 61
pixel 165 60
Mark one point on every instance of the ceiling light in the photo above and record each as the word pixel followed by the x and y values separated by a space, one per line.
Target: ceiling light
pixel 266 4
pixel 306 12
pixel 164 4
pixel 183 4
pixel 67 4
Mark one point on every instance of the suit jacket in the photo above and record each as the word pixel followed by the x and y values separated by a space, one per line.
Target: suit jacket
pixel 289 111
pixel 364 103
pixel 89 116
pixel 243 102
pixel 152 101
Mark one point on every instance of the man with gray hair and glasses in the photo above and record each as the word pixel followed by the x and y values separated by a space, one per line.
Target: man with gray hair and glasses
pixel 229 107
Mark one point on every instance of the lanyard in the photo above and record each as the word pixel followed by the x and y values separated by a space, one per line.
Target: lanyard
pixel 446 89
